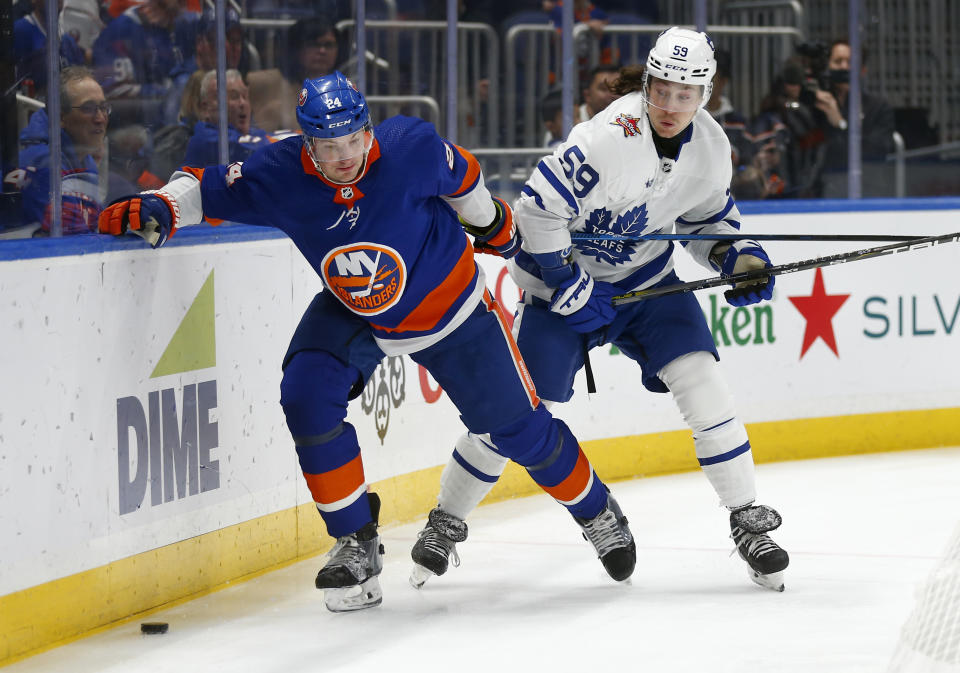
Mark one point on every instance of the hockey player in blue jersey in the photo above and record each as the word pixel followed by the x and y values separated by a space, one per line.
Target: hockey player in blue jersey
pixel 378 213
pixel 651 161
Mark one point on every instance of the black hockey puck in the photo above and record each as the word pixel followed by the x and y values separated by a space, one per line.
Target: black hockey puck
pixel 154 627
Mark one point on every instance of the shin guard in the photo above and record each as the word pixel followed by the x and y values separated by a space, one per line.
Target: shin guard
pixel 553 458
pixel 720 439
pixel 314 394
pixel 469 475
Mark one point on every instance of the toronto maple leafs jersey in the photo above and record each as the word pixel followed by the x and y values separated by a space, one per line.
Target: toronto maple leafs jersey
pixel 608 178
pixel 389 247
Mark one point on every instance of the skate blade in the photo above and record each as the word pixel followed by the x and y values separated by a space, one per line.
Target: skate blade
pixel 773 581
pixel 359 597
pixel 419 576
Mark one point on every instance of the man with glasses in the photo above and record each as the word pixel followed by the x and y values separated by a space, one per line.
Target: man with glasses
pixel 84 116
pixel 312 49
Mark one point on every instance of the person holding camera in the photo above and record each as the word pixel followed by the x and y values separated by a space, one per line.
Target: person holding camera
pixel 789 113
pixel 876 125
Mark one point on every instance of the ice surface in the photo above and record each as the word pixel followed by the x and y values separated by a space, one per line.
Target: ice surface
pixel 862 532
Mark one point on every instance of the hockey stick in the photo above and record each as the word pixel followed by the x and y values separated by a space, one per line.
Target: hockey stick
pixel 791 267
pixel 580 236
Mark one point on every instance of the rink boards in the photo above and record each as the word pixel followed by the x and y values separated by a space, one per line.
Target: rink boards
pixel 145 457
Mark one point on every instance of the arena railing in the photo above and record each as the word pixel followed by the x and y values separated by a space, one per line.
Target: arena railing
pixel 416 52
pixel 531 57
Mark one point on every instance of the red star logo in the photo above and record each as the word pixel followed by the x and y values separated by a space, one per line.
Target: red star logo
pixel 819 309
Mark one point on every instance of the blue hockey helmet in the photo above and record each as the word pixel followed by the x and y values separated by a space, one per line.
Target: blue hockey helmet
pixel 331 106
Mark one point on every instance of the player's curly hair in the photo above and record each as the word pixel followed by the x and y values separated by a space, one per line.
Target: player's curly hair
pixel 630 79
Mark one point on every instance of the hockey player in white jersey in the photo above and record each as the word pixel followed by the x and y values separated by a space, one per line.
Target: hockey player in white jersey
pixel 653 161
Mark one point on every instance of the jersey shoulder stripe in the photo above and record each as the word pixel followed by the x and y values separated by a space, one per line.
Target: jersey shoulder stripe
pixel 472 176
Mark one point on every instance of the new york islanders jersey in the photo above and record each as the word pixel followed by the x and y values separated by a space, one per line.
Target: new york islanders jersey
pixel 389 247
pixel 608 178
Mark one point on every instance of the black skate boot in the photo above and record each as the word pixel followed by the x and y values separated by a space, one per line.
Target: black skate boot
pixel 349 578
pixel 766 560
pixel 436 546
pixel 610 535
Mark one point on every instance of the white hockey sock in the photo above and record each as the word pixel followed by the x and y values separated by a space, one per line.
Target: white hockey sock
pixel 469 475
pixel 720 440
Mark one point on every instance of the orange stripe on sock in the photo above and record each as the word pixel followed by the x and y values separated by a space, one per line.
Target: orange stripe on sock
pixel 336 484
pixel 573 486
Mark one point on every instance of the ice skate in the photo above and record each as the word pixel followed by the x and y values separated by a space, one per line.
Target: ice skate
pixel 766 560
pixel 610 535
pixel 436 546
pixel 349 578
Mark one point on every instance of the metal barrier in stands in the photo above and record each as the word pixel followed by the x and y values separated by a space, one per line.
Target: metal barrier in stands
pixel 382 107
pixel 765 13
pixel 416 54
pixel 531 53
pixel 26 105
pixel 506 169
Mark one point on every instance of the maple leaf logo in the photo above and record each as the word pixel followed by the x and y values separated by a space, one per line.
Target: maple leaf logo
pixel 600 221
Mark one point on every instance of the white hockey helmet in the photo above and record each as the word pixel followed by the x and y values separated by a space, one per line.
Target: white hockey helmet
pixel 683 56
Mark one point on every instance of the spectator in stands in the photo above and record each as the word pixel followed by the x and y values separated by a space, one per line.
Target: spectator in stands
pixel 768 158
pixel 720 108
pixel 84 116
pixel 597 94
pixel 551 113
pixel 313 50
pixel 130 150
pixel 170 142
pixel 204 56
pixel 138 54
pixel 82 21
pixel 876 115
pixel 597 20
pixel 789 108
pixel 30 50
pixel 243 140
pixel 748 184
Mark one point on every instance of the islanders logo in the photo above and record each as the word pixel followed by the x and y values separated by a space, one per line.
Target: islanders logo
pixel 368 278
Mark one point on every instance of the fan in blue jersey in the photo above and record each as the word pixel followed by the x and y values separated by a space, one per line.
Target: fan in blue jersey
pixel 380 215
pixel 652 161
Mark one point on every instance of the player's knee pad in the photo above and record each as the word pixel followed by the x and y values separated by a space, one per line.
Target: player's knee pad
pixel 528 440
pixel 314 392
pixel 720 439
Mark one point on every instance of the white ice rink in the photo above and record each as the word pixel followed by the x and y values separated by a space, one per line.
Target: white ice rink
pixel 862 533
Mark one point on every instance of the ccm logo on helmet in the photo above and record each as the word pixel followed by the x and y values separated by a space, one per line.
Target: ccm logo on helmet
pixel 670 66
pixel 343 123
